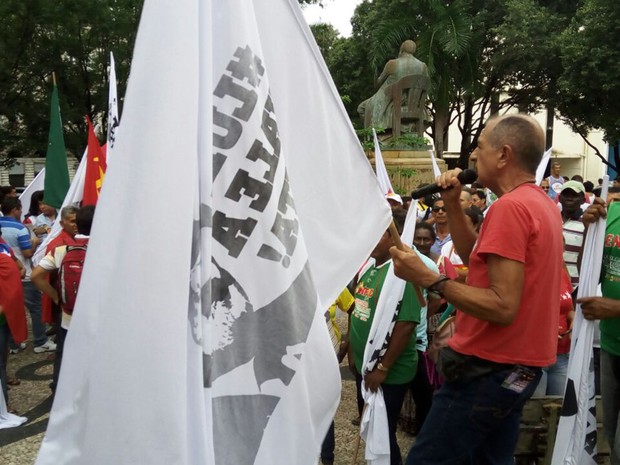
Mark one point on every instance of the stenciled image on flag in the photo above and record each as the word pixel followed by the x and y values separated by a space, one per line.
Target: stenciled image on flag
pixel 253 314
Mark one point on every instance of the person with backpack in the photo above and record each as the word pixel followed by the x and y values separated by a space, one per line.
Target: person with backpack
pixel 68 260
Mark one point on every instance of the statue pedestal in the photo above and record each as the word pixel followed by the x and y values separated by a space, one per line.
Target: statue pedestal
pixel 408 168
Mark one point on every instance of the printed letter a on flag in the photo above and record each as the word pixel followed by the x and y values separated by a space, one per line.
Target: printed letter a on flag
pixel 198 335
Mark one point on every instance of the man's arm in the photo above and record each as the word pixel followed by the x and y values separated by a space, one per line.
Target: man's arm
pixel 599 308
pixel 498 304
pixel 20 267
pixel 403 330
pixel 39 279
pixel 463 235
pixel 29 252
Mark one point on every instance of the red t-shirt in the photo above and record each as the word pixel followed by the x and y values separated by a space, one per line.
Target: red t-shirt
pixel 523 225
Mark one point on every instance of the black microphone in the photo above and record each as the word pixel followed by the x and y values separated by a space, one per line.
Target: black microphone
pixel 464 177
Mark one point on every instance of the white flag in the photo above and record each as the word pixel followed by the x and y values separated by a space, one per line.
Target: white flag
pixel 74 197
pixel 36 184
pixel 436 170
pixel 113 118
pixel 575 442
pixel 382 174
pixel 198 335
pixel 542 166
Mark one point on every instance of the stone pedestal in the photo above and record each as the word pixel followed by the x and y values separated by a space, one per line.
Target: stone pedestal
pixel 408 168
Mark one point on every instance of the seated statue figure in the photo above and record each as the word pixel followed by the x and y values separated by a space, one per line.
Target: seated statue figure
pixel 378 110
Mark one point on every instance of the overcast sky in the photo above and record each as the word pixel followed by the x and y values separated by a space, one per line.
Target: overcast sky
pixel 335 12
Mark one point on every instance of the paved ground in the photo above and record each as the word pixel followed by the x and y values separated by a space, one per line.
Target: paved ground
pixel 19 446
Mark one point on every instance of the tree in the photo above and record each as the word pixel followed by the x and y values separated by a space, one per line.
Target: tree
pixel 72 38
pixel 588 86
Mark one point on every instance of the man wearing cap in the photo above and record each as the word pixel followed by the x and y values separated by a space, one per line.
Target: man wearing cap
pixel 572 196
pixel 395 200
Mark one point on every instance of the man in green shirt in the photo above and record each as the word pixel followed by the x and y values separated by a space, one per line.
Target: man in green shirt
pixel 397 367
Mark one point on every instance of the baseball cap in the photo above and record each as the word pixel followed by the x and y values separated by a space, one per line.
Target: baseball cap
pixel 574 186
pixel 394 196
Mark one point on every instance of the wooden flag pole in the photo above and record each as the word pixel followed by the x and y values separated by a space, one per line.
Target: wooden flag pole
pixel 54 78
pixel 400 246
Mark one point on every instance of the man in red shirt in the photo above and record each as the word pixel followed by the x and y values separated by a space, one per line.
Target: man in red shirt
pixel 51 312
pixel 506 327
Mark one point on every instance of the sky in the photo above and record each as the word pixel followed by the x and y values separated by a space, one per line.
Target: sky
pixel 335 12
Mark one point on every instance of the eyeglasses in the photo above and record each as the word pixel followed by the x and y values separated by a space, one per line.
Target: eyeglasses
pixel 436 209
pixel 545 188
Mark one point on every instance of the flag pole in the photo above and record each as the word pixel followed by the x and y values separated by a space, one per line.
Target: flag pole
pixel 54 78
pixel 400 246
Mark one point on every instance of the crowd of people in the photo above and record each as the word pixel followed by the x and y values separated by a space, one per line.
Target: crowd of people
pixel 499 264
pixel 495 263
pixel 46 291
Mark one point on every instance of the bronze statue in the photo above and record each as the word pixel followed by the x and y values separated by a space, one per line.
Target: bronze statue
pixel 404 80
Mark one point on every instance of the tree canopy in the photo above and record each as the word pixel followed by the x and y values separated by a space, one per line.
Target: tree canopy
pixel 72 39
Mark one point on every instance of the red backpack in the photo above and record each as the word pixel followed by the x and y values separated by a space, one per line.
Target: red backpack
pixel 69 276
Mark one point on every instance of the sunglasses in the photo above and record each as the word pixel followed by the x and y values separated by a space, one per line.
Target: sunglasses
pixel 436 209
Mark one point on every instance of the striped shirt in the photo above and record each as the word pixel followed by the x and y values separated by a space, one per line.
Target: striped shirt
pixel 17 236
pixel 573 241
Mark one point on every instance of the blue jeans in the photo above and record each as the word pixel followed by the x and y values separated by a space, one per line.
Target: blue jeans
pixel 553 379
pixel 32 298
pixel 474 422
pixel 610 396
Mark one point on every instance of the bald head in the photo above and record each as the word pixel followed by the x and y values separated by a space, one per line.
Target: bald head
pixel 523 134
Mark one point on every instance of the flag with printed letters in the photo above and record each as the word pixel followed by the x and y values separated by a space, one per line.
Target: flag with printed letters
pixel 575 442
pixel 198 335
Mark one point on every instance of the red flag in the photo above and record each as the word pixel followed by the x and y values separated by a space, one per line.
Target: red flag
pixel 95 168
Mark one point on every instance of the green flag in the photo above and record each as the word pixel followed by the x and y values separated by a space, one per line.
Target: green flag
pixel 56 169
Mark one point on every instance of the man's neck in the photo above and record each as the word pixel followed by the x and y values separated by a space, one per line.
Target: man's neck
pixel 510 181
pixel 571 215
pixel 442 228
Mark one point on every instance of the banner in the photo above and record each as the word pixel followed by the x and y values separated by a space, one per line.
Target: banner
pixel 374 423
pixel 198 335
pixel 575 442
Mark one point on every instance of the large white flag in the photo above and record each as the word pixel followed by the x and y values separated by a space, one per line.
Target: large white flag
pixel 198 336
pixel 575 442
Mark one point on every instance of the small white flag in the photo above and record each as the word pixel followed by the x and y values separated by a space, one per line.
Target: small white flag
pixel 113 118
pixel 198 335
pixel 542 166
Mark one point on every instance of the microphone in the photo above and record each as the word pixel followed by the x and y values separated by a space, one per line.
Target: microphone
pixel 464 177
